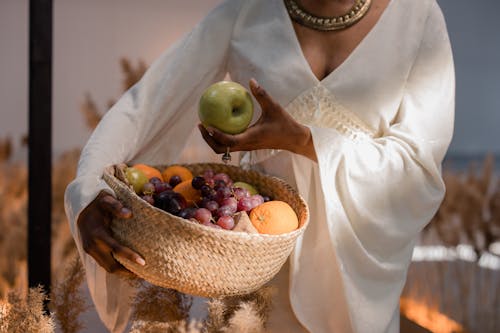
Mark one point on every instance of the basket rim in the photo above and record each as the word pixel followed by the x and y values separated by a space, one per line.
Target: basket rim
pixel 109 172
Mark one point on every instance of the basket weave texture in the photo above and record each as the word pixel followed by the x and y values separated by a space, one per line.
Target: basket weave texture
pixel 200 260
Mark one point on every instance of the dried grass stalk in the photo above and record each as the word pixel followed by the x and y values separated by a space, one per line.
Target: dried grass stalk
pixel 27 315
pixel 5 149
pixel 90 112
pixel 63 245
pixel 222 311
pixel 4 314
pixel 246 319
pixel 156 304
pixel 13 223
pixel 67 301
pixel 182 326
pixel 470 210
pixel 132 74
pixel 215 320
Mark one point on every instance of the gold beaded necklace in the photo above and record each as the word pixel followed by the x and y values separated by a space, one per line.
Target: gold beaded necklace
pixel 302 17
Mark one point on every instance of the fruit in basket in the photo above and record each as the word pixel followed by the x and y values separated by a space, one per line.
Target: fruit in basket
pixel 170 202
pixel 226 222
pixel 189 193
pixel 223 193
pixel 162 186
pixel 251 190
pixel 274 217
pixel 231 202
pixel 212 199
pixel 148 189
pixel 176 170
pixel 240 193
pixel 211 205
pixel 136 178
pixel 148 198
pixel 223 179
pixel 203 215
pixel 197 182
pixel 149 171
pixel 256 199
pixel 175 180
pixel 187 213
pixel 226 106
pixel 224 211
pixel 245 204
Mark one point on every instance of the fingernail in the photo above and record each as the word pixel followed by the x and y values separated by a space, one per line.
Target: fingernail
pixel 255 83
pixel 140 261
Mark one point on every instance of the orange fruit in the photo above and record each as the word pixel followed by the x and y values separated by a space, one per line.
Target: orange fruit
pixel 189 193
pixel 274 218
pixel 176 170
pixel 150 172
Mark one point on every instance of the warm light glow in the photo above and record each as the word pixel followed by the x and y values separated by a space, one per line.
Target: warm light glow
pixel 428 318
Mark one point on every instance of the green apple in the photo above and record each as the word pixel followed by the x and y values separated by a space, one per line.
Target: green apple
pixel 252 190
pixel 136 178
pixel 226 106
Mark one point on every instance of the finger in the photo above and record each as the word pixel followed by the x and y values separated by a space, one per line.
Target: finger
pixel 266 102
pixel 226 140
pixel 216 147
pixel 109 263
pixel 119 250
pixel 114 207
pixel 105 259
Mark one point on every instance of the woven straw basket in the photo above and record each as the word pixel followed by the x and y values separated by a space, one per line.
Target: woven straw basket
pixel 200 260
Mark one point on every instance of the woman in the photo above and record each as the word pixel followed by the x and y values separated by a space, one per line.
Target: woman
pixel 356 113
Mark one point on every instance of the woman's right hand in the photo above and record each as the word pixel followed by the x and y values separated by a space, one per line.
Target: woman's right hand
pixel 95 233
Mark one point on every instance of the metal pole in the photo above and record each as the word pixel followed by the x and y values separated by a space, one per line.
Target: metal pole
pixel 40 143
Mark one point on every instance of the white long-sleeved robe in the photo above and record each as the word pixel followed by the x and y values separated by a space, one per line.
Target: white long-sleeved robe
pixel 381 123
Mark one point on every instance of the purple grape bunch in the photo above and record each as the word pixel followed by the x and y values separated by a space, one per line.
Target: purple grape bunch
pixel 220 200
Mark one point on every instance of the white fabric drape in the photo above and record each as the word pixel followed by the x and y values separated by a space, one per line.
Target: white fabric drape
pixel 381 124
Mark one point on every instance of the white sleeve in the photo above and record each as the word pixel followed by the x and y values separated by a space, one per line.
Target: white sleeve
pixel 380 192
pixel 150 123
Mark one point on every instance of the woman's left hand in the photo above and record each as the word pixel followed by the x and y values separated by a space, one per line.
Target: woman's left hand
pixel 275 129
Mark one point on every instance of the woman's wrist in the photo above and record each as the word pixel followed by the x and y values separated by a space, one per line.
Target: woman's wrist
pixel 302 142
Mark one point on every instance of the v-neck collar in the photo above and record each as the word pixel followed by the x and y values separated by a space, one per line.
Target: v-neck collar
pixel 293 36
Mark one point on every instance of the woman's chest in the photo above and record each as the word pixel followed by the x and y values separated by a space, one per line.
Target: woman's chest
pixel 327 50
pixel 368 80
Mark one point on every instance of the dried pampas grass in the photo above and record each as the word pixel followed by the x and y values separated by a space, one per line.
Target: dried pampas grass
pixel 22 315
pixel 470 211
pixel 156 309
pixel 156 304
pixel 182 326
pixel 5 149
pixel 13 223
pixel 131 75
pixel 240 313
pixel 246 319
pixel 67 301
pixel 4 316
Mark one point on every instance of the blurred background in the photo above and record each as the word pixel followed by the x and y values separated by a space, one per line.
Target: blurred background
pixel 102 46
